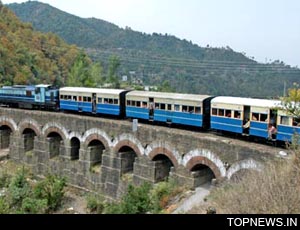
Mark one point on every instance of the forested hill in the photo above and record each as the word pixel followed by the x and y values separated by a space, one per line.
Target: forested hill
pixel 158 59
pixel 30 57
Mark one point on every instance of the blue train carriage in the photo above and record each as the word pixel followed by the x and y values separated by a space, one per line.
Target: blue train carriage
pixel 93 100
pixel 29 97
pixel 184 109
pixel 288 127
pixel 245 116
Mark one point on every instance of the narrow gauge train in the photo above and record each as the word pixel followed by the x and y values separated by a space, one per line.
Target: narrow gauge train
pixel 202 111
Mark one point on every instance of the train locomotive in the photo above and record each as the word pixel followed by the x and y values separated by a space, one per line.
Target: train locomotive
pixel 219 113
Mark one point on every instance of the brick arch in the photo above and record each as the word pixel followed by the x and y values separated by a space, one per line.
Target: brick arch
pixel 245 164
pixel 29 124
pixel 56 128
pixel 129 144
pixel 164 148
pixel 203 161
pixel 93 137
pixel 130 141
pixel 75 134
pixel 204 157
pixel 163 151
pixel 96 134
pixel 8 122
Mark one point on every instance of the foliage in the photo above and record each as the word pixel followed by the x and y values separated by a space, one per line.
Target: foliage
pixel 19 188
pixel 34 206
pixel 291 103
pixel 4 180
pixel 159 58
pixel 95 203
pixel 4 206
pixel 162 193
pixel 50 189
pixel 30 57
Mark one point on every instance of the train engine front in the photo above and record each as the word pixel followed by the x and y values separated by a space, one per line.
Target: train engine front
pixel 30 97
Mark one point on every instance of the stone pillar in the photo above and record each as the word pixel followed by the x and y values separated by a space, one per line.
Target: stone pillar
pixel 143 171
pixel 110 174
pixel 15 146
pixel 127 161
pixel 182 177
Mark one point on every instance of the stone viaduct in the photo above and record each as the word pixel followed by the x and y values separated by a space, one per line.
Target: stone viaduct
pixel 105 154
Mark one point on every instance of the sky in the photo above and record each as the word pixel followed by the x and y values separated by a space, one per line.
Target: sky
pixel 267 30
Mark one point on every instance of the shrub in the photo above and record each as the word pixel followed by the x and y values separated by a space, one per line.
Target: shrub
pixel 18 189
pixel 34 206
pixel 52 190
pixel 95 203
pixel 4 206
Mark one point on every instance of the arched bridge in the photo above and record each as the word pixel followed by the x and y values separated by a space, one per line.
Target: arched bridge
pixel 98 153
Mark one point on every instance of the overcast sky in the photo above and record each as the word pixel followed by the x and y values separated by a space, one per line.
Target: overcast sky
pixel 264 29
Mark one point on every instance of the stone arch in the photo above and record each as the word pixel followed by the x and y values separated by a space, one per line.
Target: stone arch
pixel 96 134
pixel 29 124
pixel 56 128
pixel 207 158
pixel 158 148
pixel 130 141
pixel 245 164
pixel 8 122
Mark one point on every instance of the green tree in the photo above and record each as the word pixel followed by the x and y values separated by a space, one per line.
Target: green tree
pixel 291 103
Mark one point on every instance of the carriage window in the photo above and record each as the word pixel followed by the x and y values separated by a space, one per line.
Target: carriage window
pixel 237 114
pixel 69 98
pixel 28 93
pixel 255 117
pixel 99 100
pixel 284 120
pixel 191 109
pixel 214 112
pixel 177 107
pixel 110 101
pixel 116 101
pixel 221 112
pixel 198 110
pixel 145 104
pixel 74 98
pixel 169 107
pixel 184 108
pixel 89 99
pixel 163 106
pixel 84 99
pixel 128 103
pixel 65 97
pixel 138 104
pixel 228 113
pixel 61 97
pixel 79 98
pixel 263 117
pixel 105 101
pixel 156 105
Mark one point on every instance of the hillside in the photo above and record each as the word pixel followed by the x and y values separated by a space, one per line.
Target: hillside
pixel 29 57
pixel 157 58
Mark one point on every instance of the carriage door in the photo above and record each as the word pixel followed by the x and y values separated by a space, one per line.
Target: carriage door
pixel 246 118
pixel 94 103
pixel 151 108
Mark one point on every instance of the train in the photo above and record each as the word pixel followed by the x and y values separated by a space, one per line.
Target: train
pixel 219 113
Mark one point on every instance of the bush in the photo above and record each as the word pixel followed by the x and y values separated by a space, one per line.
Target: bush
pixel 4 180
pixel 18 189
pixel 34 206
pixel 4 206
pixel 95 204
pixel 52 190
